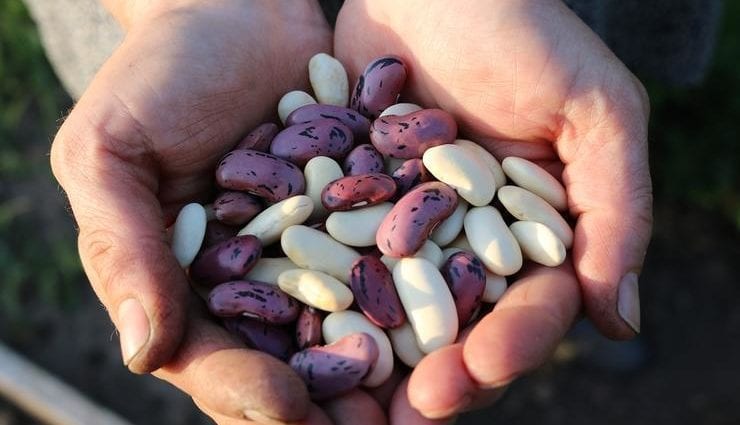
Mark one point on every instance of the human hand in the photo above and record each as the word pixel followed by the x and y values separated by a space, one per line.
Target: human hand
pixel 524 78
pixel 190 78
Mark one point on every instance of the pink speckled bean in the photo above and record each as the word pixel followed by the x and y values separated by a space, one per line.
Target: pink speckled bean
pixel 308 327
pixel 262 174
pixel 359 125
pixel 409 174
pixel 357 191
pixel 379 86
pixel 375 293
pixel 254 299
pixel 335 369
pixel 408 136
pixel 228 260
pixel 466 278
pixel 363 159
pixel 236 208
pixel 260 138
pixel 301 142
pixel 217 232
pixel 270 339
pixel 414 217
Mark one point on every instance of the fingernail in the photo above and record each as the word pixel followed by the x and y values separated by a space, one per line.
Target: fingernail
pixel 133 325
pixel 628 303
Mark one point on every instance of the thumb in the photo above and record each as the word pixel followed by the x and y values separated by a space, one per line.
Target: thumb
pixel 609 189
pixel 107 168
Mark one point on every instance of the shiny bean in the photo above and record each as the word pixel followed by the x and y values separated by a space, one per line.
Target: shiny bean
pixel 466 278
pixel 254 299
pixel 228 260
pixel 357 191
pixel 359 125
pixel 363 159
pixel 409 136
pixel 236 208
pixel 379 86
pixel 301 142
pixel 260 138
pixel 308 327
pixel 271 339
pixel 411 173
pixel 260 173
pixel 375 293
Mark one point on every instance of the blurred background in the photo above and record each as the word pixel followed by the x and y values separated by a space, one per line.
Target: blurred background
pixel 683 369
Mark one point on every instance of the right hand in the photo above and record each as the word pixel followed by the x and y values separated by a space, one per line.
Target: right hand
pixel 190 78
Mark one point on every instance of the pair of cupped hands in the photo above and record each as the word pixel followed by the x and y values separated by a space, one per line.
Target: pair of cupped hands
pixel 522 77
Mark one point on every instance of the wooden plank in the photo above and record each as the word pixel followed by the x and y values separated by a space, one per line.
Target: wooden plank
pixel 46 397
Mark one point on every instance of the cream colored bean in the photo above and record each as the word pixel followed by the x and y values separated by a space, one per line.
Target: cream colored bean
pixel 357 227
pixel 526 206
pixel 539 243
pixel 450 229
pixel 495 284
pixel 404 344
pixel 492 240
pixel 401 109
pixel 430 251
pixel 340 324
pixel 188 233
pixel 392 164
pixel 328 80
pixel 269 224
pixel 314 250
pixel 427 302
pixel 268 269
pixel 316 289
pixel 463 170
pixel 461 241
pixel 485 156
pixel 530 176
pixel 319 172
pixel 292 101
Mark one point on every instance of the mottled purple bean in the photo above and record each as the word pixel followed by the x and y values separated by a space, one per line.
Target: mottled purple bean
pixel 254 299
pixel 408 136
pixel 217 232
pixel 335 369
pixel 301 142
pixel 411 173
pixel 271 339
pixel 375 293
pixel 466 278
pixel 260 138
pixel 228 260
pixel 357 191
pixel 414 217
pixel 236 208
pixel 262 174
pixel 308 327
pixel 363 159
pixel 359 125
pixel 379 86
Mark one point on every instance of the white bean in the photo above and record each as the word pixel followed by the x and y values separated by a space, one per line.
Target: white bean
pixel 357 227
pixel 328 80
pixel 492 241
pixel 316 289
pixel 404 344
pixel 292 101
pixel 270 223
pixel 530 176
pixel 188 233
pixel 268 269
pixel 314 250
pixel 451 227
pixel 495 284
pixel 429 251
pixel 319 172
pixel 539 243
pixel 526 206
pixel 487 158
pixel 462 170
pixel 400 109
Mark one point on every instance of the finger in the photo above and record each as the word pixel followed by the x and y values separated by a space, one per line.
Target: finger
pixel 524 328
pixel 401 412
pixel 383 393
pixel 355 408
pixel 233 381
pixel 315 417
pixel 609 190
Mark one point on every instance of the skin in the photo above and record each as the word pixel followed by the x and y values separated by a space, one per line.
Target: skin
pixel 522 77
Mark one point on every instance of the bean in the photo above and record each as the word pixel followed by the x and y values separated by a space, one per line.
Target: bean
pixel 292 101
pixel 539 243
pixel 301 142
pixel 268 269
pixel 409 174
pixel 357 227
pixel 357 191
pixel 400 109
pixel 262 174
pixel 408 136
pixel 492 241
pixel 363 159
pixel 188 233
pixel 466 278
pixel 260 138
pixel 228 260
pixel 271 339
pixel 308 327
pixel 451 227
pixel 236 208
pixel 429 251
pixel 379 86
pixel 462 170
pixel 403 340
pixel 254 299
pixel 328 80
pixel 532 177
pixel 317 289
pixel 526 206
pixel 495 284
pixel 359 125
pixel 217 232
pixel 375 293
pixel 486 157
pixel 314 250
pixel 270 223
pixel 319 172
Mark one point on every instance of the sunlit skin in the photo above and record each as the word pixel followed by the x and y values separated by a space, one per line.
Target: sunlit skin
pixel 523 78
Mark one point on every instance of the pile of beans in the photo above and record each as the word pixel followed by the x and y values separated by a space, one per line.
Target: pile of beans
pixel 359 235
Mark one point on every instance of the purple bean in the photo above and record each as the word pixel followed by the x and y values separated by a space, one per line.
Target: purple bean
pixel 260 173
pixel 254 299
pixel 379 86
pixel 359 125
pixel 236 208
pixel 228 260
pixel 375 293
pixel 408 136
pixel 308 327
pixel 409 174
pixel 260 138
pixel 414 217
pixel 335 369
pixel 466 278
pixel 363 159
pixel 359 191
pixel 301 142
pixel 270 339
pixel 217 232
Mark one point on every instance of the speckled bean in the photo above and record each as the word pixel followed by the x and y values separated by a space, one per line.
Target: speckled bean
pixel 379 86
pixel 236 208
pixel 359 125
pixel 271 339
pixel 357 191
pixel 337 368
pixel 308 327
pixel 301 142
pixel 411 173
pixel 217 232
pixel 466 278
pixel 262 174
pixel 413 218
pixel 375 293
pixel 495 284
pixel 228 260
pixel 260 138
pixel 255 299
pixel 409 136
pixel 363 159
